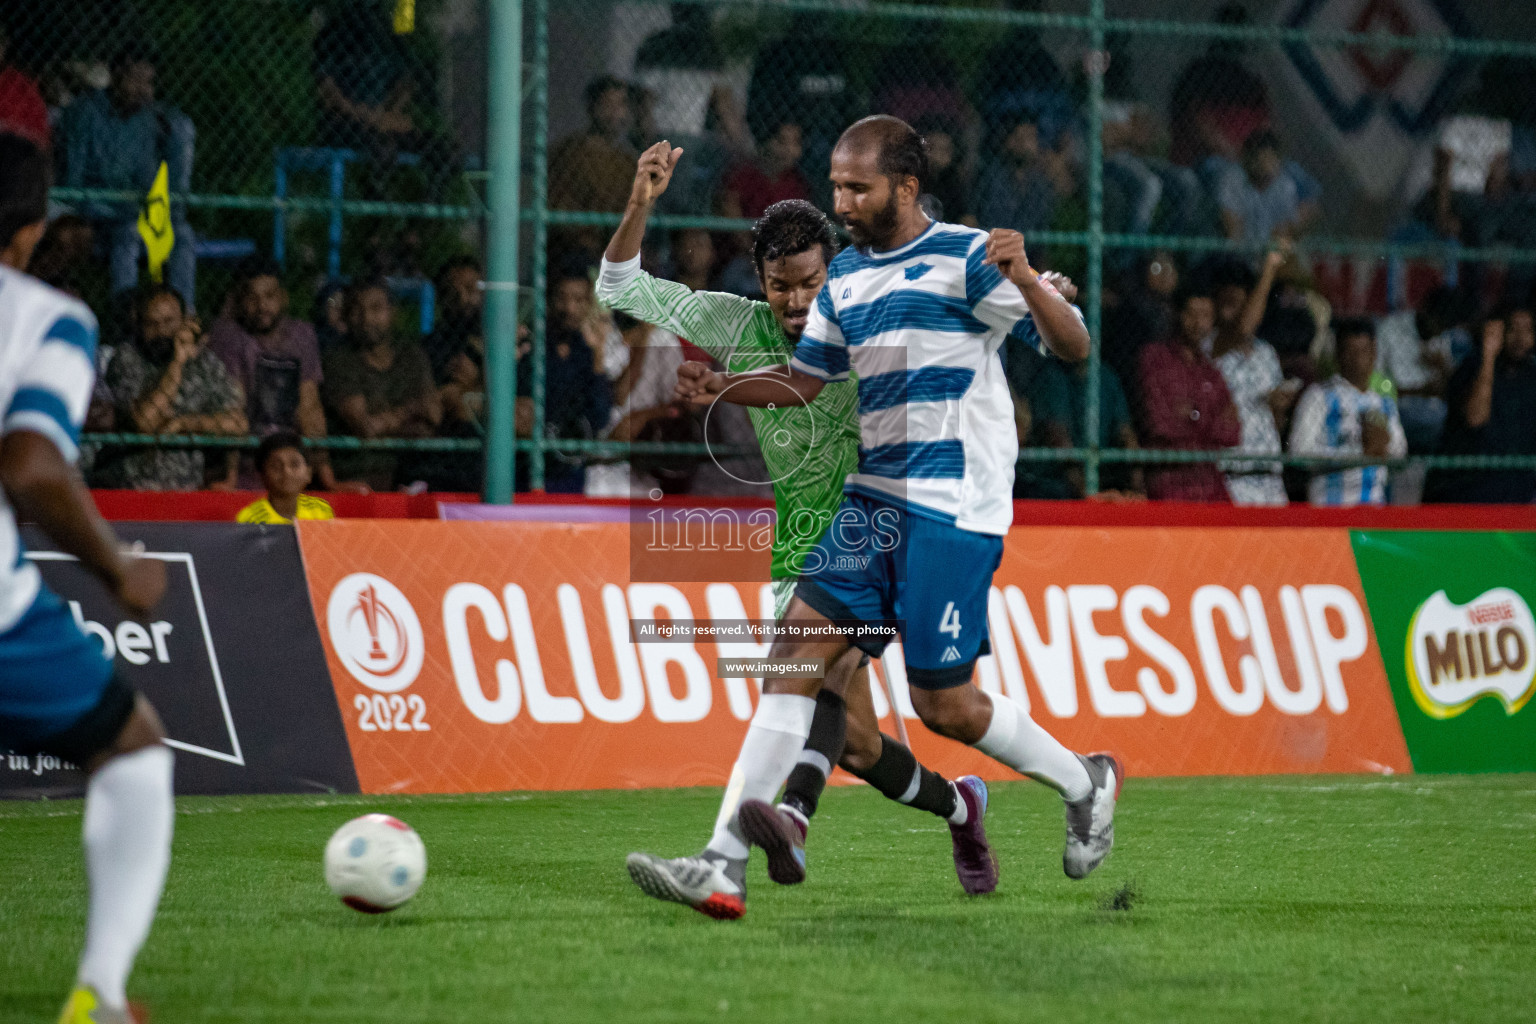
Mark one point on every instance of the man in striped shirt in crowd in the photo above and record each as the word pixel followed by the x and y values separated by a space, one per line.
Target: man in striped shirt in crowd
pixel 918 309
pixel 810 447
pixel 1343 416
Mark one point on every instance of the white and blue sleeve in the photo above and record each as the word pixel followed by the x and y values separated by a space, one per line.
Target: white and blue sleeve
pixel 53 390
pixel 997 301
pixel 822 351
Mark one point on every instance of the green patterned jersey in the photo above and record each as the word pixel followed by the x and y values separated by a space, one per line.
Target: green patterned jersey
pixel 809 449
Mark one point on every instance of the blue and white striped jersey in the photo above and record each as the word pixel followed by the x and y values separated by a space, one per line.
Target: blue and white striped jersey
pixel 47 370
pixel 1329 420
pixel 920 326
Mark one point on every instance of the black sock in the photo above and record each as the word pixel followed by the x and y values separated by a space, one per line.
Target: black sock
pixel 898 775
pixel 823 749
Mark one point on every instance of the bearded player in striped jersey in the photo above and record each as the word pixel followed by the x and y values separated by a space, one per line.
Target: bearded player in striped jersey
pixel 810 448
pixel 918 310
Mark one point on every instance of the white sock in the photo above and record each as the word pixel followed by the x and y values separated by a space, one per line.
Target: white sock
pixel 1014 739
pixel 962 812
pixel 129 810
pixel 774 740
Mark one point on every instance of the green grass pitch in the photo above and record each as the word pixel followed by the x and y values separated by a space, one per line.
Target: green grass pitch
pixel 1295 899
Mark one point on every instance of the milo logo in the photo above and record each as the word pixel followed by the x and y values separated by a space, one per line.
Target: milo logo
pixel 1458 653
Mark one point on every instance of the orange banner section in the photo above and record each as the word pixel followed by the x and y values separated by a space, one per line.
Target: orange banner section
pixel 493 656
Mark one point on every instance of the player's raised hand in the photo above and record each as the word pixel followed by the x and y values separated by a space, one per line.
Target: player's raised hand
pixel 1005 251
pixel 697 384
pixel 654 173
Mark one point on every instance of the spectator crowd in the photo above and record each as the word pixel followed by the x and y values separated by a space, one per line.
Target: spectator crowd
pixel 1229 361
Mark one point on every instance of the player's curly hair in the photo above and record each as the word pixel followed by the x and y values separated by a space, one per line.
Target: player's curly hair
pixel 788 228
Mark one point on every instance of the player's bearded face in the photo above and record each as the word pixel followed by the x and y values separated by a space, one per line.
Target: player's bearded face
pixel 863 196
pixel 875 227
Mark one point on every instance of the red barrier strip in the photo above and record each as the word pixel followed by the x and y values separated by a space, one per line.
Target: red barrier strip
pixel 1182 513
pixel 221 506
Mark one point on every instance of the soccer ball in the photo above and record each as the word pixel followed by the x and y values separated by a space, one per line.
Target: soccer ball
pixel 375 863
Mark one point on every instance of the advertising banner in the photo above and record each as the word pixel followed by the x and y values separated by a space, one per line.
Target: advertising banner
pixel 1454 614
pixel 488 656
pixel 231 660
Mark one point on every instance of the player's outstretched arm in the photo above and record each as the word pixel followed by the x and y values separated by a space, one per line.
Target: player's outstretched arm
pixel 47 490
pixel 652 175
pixel 1062 330
pixel 762 389
pixel 714 321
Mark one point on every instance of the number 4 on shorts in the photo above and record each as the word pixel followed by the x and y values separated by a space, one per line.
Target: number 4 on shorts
pixel 949 622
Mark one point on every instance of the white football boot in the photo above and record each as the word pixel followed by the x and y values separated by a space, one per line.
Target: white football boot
pixel 713 886
pixel 1091 820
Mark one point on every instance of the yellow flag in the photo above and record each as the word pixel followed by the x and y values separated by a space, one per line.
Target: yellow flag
pixel 405 17
pixel 155 224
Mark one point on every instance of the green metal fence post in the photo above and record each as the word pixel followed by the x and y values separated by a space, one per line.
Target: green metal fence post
pixel 1095 284
pixel 503 146
pixel 538 95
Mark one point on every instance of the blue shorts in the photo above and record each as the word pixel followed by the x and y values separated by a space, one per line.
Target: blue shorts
pixel 57 690
pixel 879 563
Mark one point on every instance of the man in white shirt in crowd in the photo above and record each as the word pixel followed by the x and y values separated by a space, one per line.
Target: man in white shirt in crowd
pixel 643 369
pixel 1260 392
pixel 1413 348
pixel 1342 416
pixel 1416 350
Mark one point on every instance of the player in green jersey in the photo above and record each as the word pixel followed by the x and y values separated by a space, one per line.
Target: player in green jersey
pixel 810 450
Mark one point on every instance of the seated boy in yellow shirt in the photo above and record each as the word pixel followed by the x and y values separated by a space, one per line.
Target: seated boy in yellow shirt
pixel 285 471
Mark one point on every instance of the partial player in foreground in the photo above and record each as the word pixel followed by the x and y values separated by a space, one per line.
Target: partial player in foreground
pixel 58 693
pixel 810 448
pixel 919 310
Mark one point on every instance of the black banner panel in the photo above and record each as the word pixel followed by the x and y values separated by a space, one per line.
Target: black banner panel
pixel 231 659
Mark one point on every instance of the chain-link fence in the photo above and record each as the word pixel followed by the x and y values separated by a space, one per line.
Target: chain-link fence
pixel 1155 152
pixel 323 168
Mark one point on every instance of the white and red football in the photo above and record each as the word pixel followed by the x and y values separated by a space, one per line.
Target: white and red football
pixel 375 863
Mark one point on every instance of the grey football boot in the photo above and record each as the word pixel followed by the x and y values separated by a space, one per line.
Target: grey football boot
pixel 712 885
pixel 1091 820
